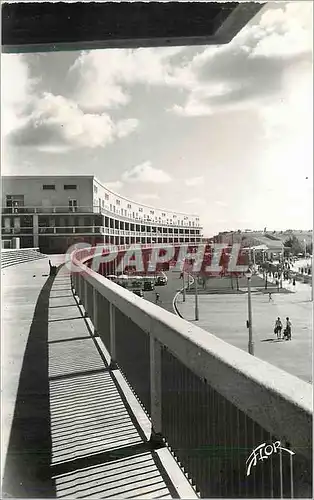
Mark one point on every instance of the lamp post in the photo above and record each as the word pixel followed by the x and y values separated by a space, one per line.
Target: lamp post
pixel 312 277
pixel 196 299
pixel 282 266
pixel 254 256
pixel 248 275
pixel 183 280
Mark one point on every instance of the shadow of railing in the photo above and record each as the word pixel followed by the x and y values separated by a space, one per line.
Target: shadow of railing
pixel 26 472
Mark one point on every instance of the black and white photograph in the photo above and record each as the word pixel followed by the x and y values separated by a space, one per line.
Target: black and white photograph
pixel 156 249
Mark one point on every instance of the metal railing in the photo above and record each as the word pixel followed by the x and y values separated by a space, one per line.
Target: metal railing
pixel 46 230
pixel 54 230
pixel 208 401
pixel 51 210
pixel 96 209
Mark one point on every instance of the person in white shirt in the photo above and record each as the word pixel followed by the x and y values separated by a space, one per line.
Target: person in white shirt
pixel 287 331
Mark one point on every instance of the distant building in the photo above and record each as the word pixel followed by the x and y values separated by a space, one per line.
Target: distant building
pixel 270 245
pixel 55 212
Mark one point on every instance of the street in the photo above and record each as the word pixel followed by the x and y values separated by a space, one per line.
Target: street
pixel 166 292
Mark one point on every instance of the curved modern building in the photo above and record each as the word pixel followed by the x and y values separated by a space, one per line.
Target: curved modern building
pixel 55 212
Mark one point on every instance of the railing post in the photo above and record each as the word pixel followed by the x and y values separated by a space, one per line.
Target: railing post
pixel 95 304
pixel 155 392
pixel 85 298
pixel 79 288
pixel 76 278
pixel 112 326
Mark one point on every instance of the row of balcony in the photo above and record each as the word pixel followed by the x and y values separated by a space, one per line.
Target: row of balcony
pixel 91 229
pixel 65 210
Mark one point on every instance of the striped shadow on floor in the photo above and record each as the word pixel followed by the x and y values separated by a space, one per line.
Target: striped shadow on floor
pixel 98 449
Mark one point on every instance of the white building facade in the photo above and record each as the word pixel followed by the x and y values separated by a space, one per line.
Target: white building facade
pixel 57 211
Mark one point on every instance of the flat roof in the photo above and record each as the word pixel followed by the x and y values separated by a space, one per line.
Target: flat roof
pixel 101 183
pixel 45 175
pixel 42 27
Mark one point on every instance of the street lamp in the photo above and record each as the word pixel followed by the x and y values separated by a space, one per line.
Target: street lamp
pixel 248 275
pixel 282 266
pixel 196 299
pixel 183 285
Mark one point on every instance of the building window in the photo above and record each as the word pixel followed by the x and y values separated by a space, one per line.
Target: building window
pixel 95 189
pixel 129 206
pixel 50 187
pixel 73 205
pixel 118 202
pixel 106 196
pixel 152 212
pixel 140 210
pixel 164 215
pixel 70 186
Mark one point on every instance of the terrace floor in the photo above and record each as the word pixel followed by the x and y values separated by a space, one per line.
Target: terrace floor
pixel 70 427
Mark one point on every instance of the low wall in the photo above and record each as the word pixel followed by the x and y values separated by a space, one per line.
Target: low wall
pixel 12 257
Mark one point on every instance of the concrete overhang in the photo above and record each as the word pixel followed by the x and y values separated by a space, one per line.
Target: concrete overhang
pixel 46 27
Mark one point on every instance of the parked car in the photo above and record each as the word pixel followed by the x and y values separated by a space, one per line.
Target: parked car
pixel 139 293
pixel 161 281
pixel 112 277
pixel 136 283
pixel 148 286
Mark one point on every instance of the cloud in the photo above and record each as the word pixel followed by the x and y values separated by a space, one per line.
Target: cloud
pixel 16 91
pixel 55 123
pixel 103 76
pixel 195 201
pixel 114 186
pixel 125 127
pixel 249 71
pixel 147 196
pixel 144 172
pixel 221 203
pixel 194 181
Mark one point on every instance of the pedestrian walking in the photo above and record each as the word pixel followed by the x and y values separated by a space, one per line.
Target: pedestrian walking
pixel 270 297
pixel 278 328
pixel 157 297
pixel 287 331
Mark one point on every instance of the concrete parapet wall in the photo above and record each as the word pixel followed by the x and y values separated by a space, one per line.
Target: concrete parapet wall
pixel 276 400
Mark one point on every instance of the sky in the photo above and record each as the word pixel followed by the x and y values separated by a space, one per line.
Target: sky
pixel 221 131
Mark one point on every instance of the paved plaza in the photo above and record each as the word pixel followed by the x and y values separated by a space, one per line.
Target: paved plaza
pixel 225 316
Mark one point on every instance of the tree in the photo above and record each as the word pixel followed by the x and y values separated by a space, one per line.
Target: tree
pixel 294 244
